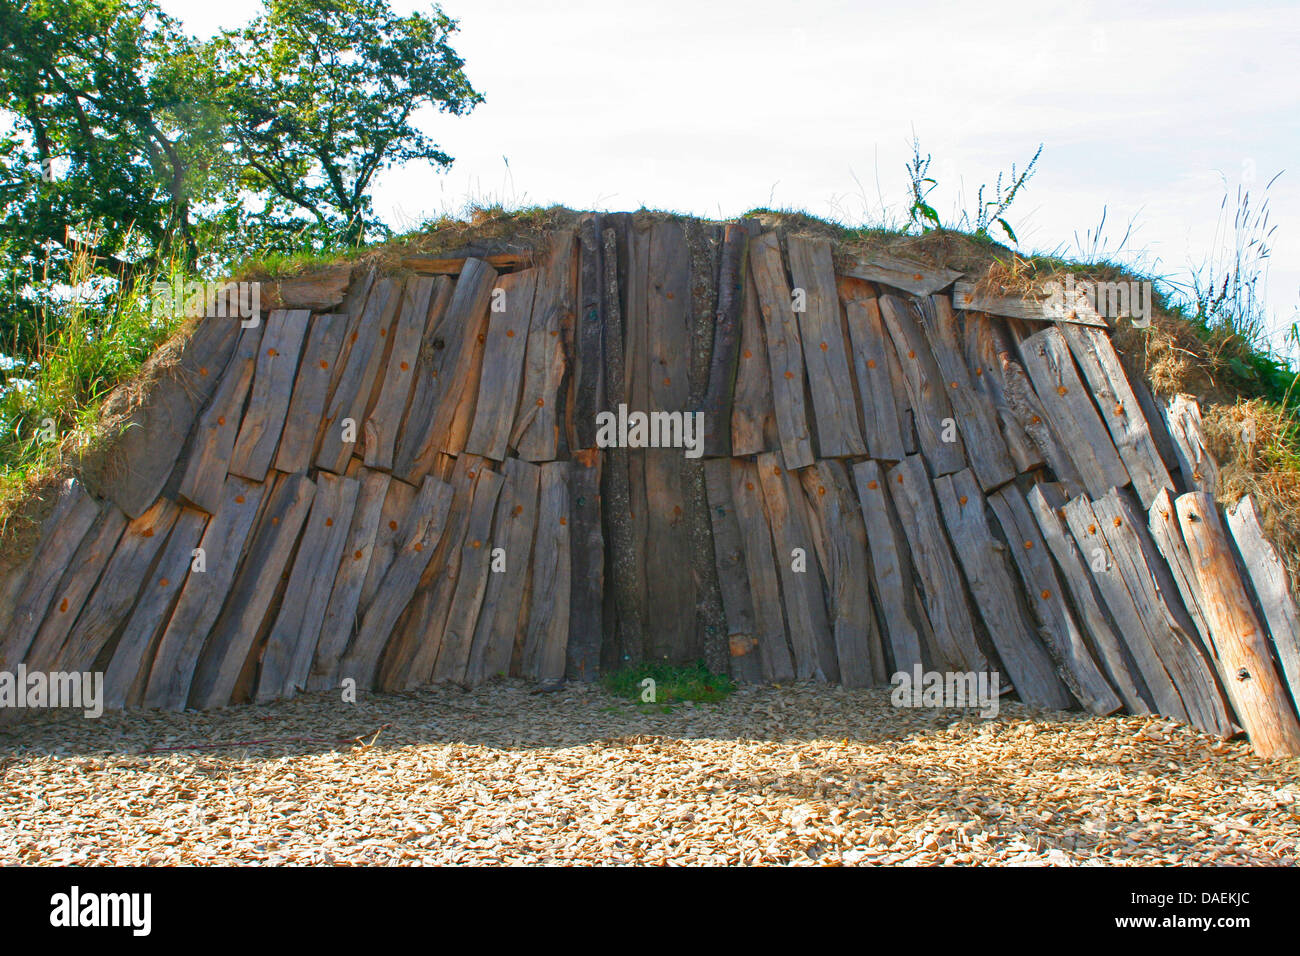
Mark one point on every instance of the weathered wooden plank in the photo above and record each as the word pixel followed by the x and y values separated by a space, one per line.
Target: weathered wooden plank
pixel 396 523
pixel 1120 408
pixel 967 295
pixel 753 415
pixel 431 265
pixel 245 615
pixel 471 581
pixel 426 387
pixel 986 348
pixel 1258 695
pixel 209 461
pixel 1072 415
pixel 133 656
pixel 1061 633
pixel 503 358
pixel 311 389
pixel 882 419
pixel 891 570
pixel 1198 465
pixel 291 645
pixel 932 414
pixel 203 595
pixel 535 435
pixel 398 586
pixel 1269 579
pixel 503 614
pixel 384 421
pixel 733 577
pixel 548 620
pixel 341 615
pixel 784 349
pixel 62 532
pixel 464 364
pixel 587 564
pixel 996 595
pixel 733 276
pixel 272 390
pixel 775 657
pixel 1162 522
pixel 75 586
pixel 796 558
pixel 949 616
pixel 589 364
pixel 918 278
pixel 367 354
pixel 318 292
pixel 858 647
pixel 824 354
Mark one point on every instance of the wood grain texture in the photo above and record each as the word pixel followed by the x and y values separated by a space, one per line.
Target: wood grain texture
pixel 536 429
pixel 209 461
pixel 733 576
pixel 986 347
pixel 909 275
pixel 967 295
pixel 384 420
pixel 881 417
pixel 302 423
pixel 587 563
pixel 548 619
pixel 589 364
pixel 464 362
pixel 775 656
pixel 733 277
pixel 1196 461
pixel 503 363
pixel 271 392
pixel 1162 522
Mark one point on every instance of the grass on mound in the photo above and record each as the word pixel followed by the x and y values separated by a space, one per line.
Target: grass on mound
pixel 673 684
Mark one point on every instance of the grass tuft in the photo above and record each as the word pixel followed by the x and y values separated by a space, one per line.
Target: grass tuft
pixel 673 684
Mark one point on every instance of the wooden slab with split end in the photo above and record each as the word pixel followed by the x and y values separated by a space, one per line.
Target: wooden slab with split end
pixel 1162 522
pixel 948 614
pixel 1258 694
pixel 246 615
pixel 302 423
pixel 733 576
pixel 1062 633
pixel 548 618
pixel 784 349
pixel 271 392
pixel 1121 410
pixel 291 645
pixel 128 669
pixel 412 459
pixel 1270 582
pixel 464 362
pixel 587 563
pixel 503 364
pixel 986 348
pixel 796 560
pixel 858 647
pixel 967 295
pixel 367 354
pixel 203 594
pixel 536 431
pixel 997 594
pixel 932 413
pixel 918 278
pixel 824 353
pixel 1196 461
pixel 384 420
pixel 775 657
pixel 874 364
pixel 504 612
pixel 1073 417
pixel 721 391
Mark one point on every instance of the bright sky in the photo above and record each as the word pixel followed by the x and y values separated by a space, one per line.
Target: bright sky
pixel 1150 110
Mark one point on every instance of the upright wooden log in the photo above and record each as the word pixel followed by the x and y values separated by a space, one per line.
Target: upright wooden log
pixel 503 362
pixel 882 419
pixel 320 357
pixel 784 349
pixel 824 352
pixel 245 617
pixel 1258 695
pixel 589 364
pixel 587 562
pixel 214 442
pixel 775 656
pixel 268 401
pixel 733 276
pixel 536 429
pixel 548 620
pixel 753 415
pixel 397 522
pixel 384 421
pixel 733 577
pixel 451 423
pixel 1197 463
pixel 411 459
pixel 996 595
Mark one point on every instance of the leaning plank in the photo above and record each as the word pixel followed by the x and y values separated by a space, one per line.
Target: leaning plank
pixel 1061 633
pixel 310 392
pixel 909 275
pixel 397 522
pixel 203 594
pixel 985 348
pixel 1162 522
pixel 268 401
pixel 824 354
pixel 346 411
pixel 968 296
pixel 1268 576
pixel 764 584
pixel 1121 410
pixel 464 362
pixel 75 586
pixel 503 359
pixel 1198 465
pixel 399 584
pixel 349 579
pixel 945 597
pixel 291 645
pixel 1258 696
pixel 801 587
pixel 733 578
pixel 133 656
pixel 471 581
pixel 412 459
pixel 385 419
pixel 784 349
pixel 891 572
pixel 996 596
pixel 881 417
pixel 1073 416
pixel 932 413
pixel 858 648
pixel 587 561
pixel 503 608
pixel 62 532
pixel 753 415
pixel 535 434
pixel 236 632
pixel 209 462
pixel 733 276
pixel 548 620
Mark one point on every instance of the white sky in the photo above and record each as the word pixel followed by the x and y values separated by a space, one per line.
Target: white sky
pixel 714 108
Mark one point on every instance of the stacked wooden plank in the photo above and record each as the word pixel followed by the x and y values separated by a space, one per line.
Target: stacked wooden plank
pixel 411 479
